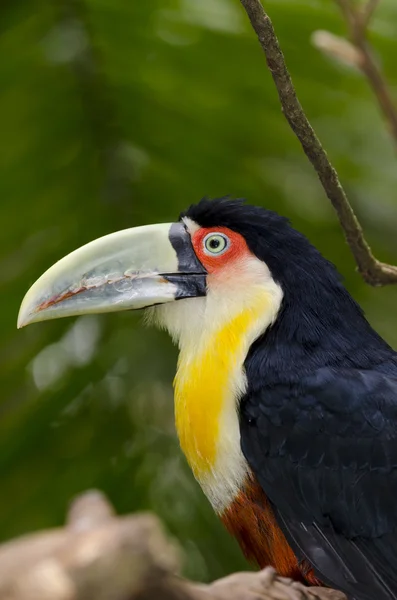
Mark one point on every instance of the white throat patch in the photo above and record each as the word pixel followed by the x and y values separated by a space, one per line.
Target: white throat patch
pixel 214 335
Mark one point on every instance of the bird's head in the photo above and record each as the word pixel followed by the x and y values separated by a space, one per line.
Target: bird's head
pixel 223 258
pixel 209 253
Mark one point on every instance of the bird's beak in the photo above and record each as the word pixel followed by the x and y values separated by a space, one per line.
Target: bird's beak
pixel 130 269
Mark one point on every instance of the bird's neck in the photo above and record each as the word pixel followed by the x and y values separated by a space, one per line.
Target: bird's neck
pixel 209 383
pixel 316 327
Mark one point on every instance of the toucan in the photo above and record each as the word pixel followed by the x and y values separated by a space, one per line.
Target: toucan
pixel 285 397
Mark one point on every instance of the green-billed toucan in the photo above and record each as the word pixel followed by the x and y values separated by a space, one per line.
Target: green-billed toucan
pixel 285 397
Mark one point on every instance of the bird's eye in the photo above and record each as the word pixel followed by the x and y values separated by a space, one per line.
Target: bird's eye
pixel 216 243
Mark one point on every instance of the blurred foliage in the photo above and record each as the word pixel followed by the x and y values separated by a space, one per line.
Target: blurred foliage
pixel 116 113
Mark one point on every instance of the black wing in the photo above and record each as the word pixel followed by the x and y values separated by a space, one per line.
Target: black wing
pixel 325 453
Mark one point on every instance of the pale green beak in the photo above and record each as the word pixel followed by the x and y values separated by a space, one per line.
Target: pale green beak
pixel 130 269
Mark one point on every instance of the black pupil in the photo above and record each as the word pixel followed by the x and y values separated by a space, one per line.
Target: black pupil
pixel 215 243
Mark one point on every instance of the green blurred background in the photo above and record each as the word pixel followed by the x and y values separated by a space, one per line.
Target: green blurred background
pixel 117 113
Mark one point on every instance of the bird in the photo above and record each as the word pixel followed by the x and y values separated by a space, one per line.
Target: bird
pixel 285 396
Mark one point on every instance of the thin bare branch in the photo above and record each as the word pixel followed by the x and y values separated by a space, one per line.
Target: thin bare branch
pixel 367 12
pixel 373 271
pixel 357 22
pixel 347 10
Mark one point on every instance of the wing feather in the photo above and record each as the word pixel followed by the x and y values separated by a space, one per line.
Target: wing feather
pixel 325 453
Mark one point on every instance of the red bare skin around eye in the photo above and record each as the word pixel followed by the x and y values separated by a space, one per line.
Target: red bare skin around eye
pixel 237 248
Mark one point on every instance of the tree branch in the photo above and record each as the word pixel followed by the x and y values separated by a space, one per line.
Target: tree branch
pixel 357 22
pixel 367 11
pixel 372 270
pixel 98 556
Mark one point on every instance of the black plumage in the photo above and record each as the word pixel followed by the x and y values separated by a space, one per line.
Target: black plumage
pixel 325 453
pixel 319 418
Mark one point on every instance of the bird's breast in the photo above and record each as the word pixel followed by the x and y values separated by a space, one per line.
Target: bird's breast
pixel 209 383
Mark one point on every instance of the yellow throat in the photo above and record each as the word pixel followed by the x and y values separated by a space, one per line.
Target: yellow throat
pixel 209 383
